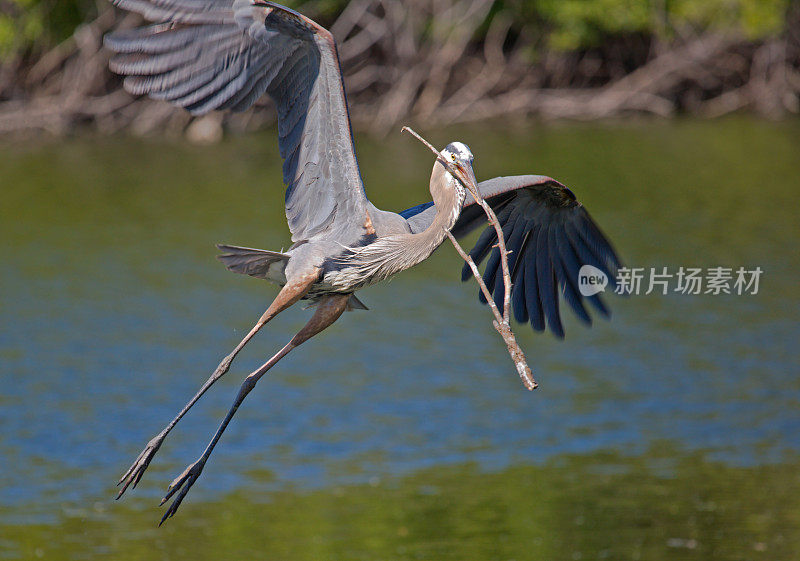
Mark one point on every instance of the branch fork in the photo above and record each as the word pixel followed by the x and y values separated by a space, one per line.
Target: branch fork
pixel 501 321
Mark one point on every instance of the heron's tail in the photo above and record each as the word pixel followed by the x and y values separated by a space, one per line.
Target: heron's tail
pixel 259 263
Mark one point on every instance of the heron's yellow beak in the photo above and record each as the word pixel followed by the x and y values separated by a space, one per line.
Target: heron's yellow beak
pixel 467 173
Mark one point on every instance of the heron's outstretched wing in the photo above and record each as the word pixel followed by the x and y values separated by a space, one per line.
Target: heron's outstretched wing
pixel 550 236
pixel 225 54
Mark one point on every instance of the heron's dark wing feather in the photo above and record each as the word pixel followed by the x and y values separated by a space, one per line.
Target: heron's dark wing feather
pixel 225 54
pixel 559 237
pixel 550 236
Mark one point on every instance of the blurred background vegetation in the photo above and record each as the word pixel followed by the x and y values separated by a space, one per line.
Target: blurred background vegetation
pixel 29 27
pixel 440 62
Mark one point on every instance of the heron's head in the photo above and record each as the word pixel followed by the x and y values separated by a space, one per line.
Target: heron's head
pixel 460 157
pixel 458 153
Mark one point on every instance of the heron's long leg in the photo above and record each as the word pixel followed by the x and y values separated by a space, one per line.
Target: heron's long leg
pixel 328 311
pixel 288 295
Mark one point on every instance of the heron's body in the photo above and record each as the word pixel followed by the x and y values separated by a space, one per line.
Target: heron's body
pixel 225 54
pixel 395 247
pixel 385 245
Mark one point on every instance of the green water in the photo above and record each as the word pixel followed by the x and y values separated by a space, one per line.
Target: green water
pixel 671 431
pixel 598 506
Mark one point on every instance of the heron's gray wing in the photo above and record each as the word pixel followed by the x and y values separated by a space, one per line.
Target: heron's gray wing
pixel 225 54
pixel 550 236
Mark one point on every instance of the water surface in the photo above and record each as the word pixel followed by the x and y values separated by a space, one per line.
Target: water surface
pixel 402 432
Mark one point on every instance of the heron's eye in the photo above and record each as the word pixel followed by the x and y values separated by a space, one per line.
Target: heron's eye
pixel 453 157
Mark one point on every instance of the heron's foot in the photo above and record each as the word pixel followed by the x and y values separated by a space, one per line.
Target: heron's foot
pixel 181 486
pixel 137 469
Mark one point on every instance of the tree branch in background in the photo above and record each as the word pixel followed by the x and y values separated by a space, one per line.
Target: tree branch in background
pixel 501 320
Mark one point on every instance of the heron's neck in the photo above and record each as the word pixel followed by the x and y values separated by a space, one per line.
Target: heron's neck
pixel 448 203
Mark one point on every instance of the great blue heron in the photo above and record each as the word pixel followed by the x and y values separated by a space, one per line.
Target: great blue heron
pixel 225 54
